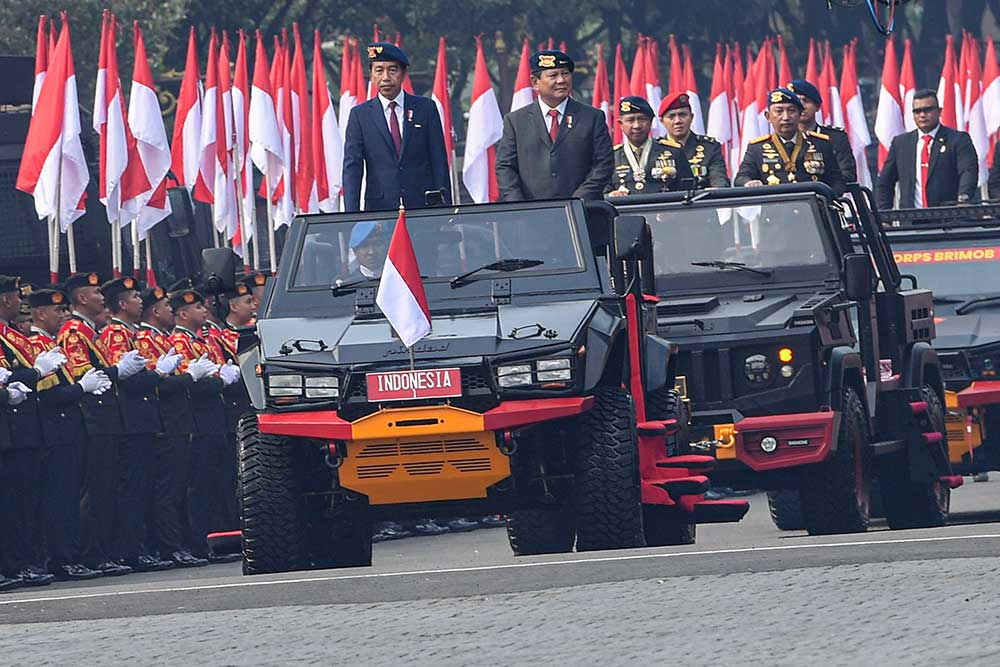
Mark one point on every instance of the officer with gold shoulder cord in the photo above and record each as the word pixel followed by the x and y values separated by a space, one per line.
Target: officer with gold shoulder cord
pixel 644 165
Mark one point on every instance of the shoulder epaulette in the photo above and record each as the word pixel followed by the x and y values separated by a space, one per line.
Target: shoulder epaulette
pixel 760 140
pixel 617 146
pixel 819 135
pixel 667 141
pixel 705 137
pixel 835 128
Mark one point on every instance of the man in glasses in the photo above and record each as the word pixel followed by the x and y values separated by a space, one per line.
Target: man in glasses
pixel 933 165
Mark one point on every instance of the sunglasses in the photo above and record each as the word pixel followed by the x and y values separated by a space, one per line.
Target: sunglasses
pixel 923 110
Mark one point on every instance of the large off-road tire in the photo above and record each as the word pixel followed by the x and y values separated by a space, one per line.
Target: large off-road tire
pixel 541 531
pixel 660 524
pixel 786 509
pixel 343 541
pixel 606 489
pixel 272 507
pixel 836 495
pixel 910 504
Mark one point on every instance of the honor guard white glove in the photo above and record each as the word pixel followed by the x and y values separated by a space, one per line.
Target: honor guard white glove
pixel 4 375
pixel 130 364
pixel 18 392
pixel 95 382
pixel 48 362
pixel 201 368
pixel 168 362
pixel 229 373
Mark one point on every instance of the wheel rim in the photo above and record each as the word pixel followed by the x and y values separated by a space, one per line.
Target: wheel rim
pixel 862 488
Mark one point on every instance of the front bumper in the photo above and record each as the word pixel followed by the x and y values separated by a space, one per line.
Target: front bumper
pixel 965 422
pixel 803 438
pixel 422 454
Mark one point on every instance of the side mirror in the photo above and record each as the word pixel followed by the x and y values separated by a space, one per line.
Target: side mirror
pixel 218 267
pixel 858 277
pixel 629 230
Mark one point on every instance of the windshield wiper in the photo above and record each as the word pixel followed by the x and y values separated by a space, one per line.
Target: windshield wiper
pixel 505 265
pixel 982 300
pixel 735 266
pixel 352 286
pixel 948 299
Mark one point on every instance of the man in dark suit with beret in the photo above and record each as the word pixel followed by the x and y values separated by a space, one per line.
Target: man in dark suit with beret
pixel 394 142
pixel 555 148
pixel 933 164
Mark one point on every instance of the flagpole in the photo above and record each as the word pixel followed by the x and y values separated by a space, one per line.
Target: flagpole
pixel 71 246
pixel 50 225
pixel 136 249
pixel 116 248
pixel 150 273
pixel 455 190
pixel 270 224
pixel 215 233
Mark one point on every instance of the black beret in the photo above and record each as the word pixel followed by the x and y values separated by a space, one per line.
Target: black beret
pixel 113 289
pixel 387 52
pixel 78 280
pixel 182 284
pixel 803 88
pixel 186 297
pixel 784 96
pixel 550 60
pixel 47 297
pixel 635 104
pixel 152 296
pixel 10 284
pixel 255 279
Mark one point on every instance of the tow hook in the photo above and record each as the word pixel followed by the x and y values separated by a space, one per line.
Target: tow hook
pixel 704 445
pixel 508 443
pixel 334 455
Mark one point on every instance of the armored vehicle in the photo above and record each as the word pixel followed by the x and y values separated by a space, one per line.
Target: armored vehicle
pixel 807 365
pixel 542 392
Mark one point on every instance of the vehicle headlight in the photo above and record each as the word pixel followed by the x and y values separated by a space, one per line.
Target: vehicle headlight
pixel 322 387
pixel 284 385
pixel 757 368
pixel 516 375
pixel 553 369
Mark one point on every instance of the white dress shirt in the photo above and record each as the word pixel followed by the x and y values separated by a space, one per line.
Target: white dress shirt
pixel 561 110
pixel 399 111
pixel 918 192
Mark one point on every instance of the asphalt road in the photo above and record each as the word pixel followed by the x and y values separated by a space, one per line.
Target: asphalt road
pixel 746 594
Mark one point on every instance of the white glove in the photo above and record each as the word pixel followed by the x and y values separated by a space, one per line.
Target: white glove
pixel 229 373
pixel 4 375
pixel 168 362
pixel 47 362
pixel 18 392
pixel 130 364
pixel 201 368
pixel 95 382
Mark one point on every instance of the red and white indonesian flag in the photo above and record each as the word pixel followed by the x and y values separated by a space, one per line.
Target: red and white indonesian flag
pixel 185 147
pixel 241 149
pixel 734 84
pixel 812 75
pixel 348 95
pixel 41 60
pixel 146 121
pixel 977 113
pixel 53 168
pixel 889 115
pixel 524 94
pixel 785 75
pixel 691 87
pixel 719 109
pixel 266 149
pixel 622 89
pixel 441 96
pixel 749 123
pixel 484 131
pixel 907 88
pixel 991 94
pixel 602 88
pixel 401 295
pixel 327 148
pixel 949 89
pixel 123 179
pixel 854 116
pixel 208 149
pixel 224 210
pixel 285 205
pixel 305 181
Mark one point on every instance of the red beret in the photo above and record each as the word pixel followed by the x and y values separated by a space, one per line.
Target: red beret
pixel 675 101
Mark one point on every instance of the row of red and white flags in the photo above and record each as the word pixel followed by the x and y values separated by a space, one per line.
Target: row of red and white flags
pixel 227 123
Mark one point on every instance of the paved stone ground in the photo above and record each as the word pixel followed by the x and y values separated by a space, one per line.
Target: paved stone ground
pixel 928 612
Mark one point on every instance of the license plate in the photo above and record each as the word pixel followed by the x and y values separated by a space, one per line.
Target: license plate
pixel 408 385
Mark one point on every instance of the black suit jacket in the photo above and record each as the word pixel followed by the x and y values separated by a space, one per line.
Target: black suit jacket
pixel 994 182
pixel 530 166
pixel 953 169
pixel 421 166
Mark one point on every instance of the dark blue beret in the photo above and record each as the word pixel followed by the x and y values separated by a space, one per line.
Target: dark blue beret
pixel 387 52
pixel 550 60
pixel 784 96
pixel 803 88
pixel 635 104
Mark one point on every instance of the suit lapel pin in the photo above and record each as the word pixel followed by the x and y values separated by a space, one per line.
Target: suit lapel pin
pixel 409 115
pixel 569 122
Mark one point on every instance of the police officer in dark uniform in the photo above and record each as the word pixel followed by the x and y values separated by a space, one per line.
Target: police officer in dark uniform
pixel 139 402
pixel 788 155
pixel 65 436
pixel 644 165
pixel 811 102
pixel 703 152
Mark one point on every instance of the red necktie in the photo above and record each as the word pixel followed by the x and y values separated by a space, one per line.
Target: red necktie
pixel 554 127
pixel 925 161
pixel 397 137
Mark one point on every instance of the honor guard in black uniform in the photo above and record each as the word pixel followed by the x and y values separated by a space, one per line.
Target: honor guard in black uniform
pixel 65 440
pixel 703 152
pixel 643 164
pixel 788 155
pixel 811 102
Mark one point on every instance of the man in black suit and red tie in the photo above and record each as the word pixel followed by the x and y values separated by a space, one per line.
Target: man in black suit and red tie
pixel 933 165
pixel 393 142
pixel 556 147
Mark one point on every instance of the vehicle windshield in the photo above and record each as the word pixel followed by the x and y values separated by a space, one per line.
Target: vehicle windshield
pixel 766 236
pixel 951 268
pixel 447 244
